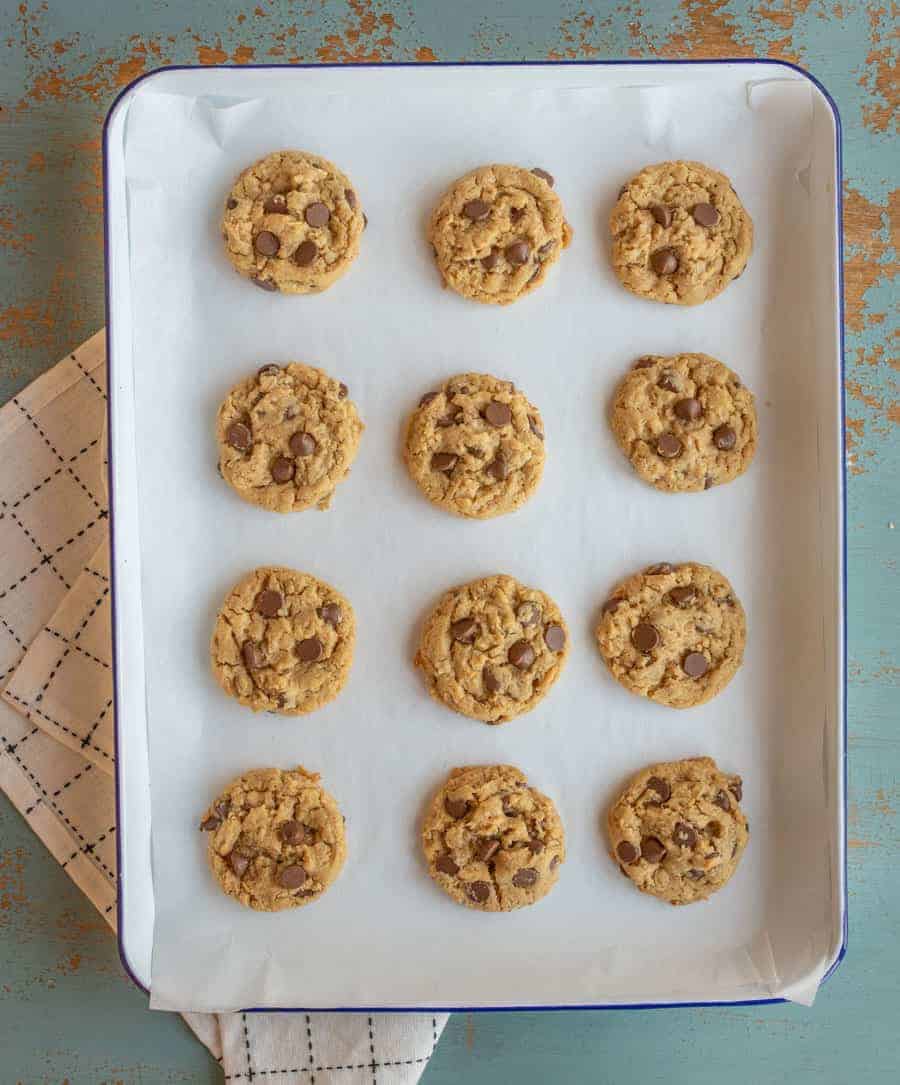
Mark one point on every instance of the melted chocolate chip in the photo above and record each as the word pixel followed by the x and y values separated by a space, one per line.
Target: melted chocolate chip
pixel 269 602
pixel 645 637
pixel 525 877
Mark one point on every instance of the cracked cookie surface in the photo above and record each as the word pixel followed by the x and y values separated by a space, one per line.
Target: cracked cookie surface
pixel 276 839
pixel 283 641
pixel 686 422
pixel 475 447
pixel 496 232
pixel 680 234
pixel 492 648
pixel 491 841
pixel 287 436
pixel 673 633
pixel 292 223
pixel 677 831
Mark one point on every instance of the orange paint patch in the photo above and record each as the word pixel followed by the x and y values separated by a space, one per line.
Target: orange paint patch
pixel 870 230
pixel 358 44
pixel 424 55
pixel 36 163
pixel 862 844
pixel 207 54
pixel 880 77
pixel 12 881
pixel 711 32
pixel 576 33
pixel 97 83
pixel 243 54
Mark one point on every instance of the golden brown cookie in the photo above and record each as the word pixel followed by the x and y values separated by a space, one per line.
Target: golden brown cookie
pixel 283 641
pixel 287 436
pixel 680 234
pixel 677 830
pixel 673 633
pixel 496 232
pixel 292 223
pixel 491 841
pixel 686 423
pixel 476 446
pixel 491 649
pixel 276 839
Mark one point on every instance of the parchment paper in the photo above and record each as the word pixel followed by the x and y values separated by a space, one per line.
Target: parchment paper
pixel 384 935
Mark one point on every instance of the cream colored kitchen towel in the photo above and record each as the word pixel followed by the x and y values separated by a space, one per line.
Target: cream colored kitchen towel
pixel 56 716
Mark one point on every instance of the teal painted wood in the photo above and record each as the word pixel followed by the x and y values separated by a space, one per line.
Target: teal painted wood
pixel 67 1013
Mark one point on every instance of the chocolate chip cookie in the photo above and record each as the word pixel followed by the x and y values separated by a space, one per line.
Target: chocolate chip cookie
pixel 491 649
pixel 673 633
pixel 287 436
pixel 283 641
pixel 680 234
pixel 496 232
pixel 276 839
pixel 476 446
pixel 677 831
pixel 687 422
pixel 292 223
pixel 492 842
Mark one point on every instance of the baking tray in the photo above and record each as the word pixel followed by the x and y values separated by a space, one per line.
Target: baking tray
pixel 182 328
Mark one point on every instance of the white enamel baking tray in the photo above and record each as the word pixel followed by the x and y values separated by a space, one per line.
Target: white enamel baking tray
pixel 183 327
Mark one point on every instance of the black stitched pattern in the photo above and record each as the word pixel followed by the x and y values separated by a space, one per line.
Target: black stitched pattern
pixel 247 1048
pixel 88 849
pixel 373 1064
pixel 56 453
pixel 68 648
pixel 78 534
pixel 46 559
pixel 59 470
pixel 309 1045
pixel 74 646
pixel 29 708
pixel 88 375
pixel 314 1069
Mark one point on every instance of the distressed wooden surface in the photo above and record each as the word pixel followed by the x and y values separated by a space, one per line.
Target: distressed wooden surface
pixel 67 1013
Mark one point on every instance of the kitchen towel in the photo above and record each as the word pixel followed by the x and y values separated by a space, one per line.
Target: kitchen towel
pixel 56 716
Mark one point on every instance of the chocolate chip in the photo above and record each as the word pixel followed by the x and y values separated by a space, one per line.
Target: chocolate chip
pixel 232 204
pixel 652 849
pixel 266 243
pixel 343 390
pixel 695 665
pixel 282 469
pixel 479 892
pixel 498 469
pixel 443 461
pixel 211 823
pixel 475 210
pixel 486 849
pixel 491 681
pixel 736 788
pixel 683 596
pixel 688 410
pixel 695 874
pixel 330 613
pixel 293 832
pixel 612 604
pixel 365 220
pixel 525 877
pixel 268 371
pixel 722 800
pixel 644 363
pixel 627 852
pixel 309 650
pixel 518 252
pixel 465 630
pixel 498 414
pixel 554 862
pixel 317 214
pixel 238 863
pixel 238 435
pixel 684 835
pixel 724 438
pixel 444 863
pixel 253 655
pixel 662 214
pixel 668 446
pixel 275 205
pixel 269 602
pixel 528 613
pixel 664 262
pixel 350 197
pixel 535 427
pixel 303 444
pixel 515 213
pixel 508 808
pixel 521 655
pixel 492 259
pixel 456 808
pixel 645 637
pixel 705 214
pixel 452 418
pixel 292 877
pixel 555 637
pixel 544 175
pixel 545 250
pixel 427 398
pixel 708 482
pixel 535 846
pixel 661 787
pixel 669 382
pixel 659 569
pixel 265 284
pixel 305 253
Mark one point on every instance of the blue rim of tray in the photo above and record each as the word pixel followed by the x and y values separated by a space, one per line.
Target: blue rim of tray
pixel 839 206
